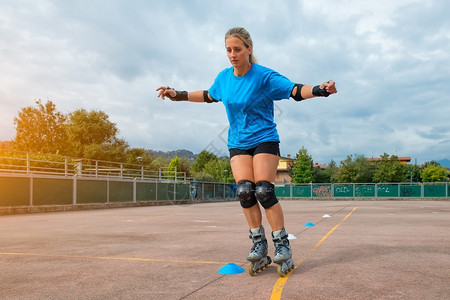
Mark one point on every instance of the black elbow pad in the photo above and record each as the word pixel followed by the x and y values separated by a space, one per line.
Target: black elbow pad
pixel 206 98
pixel 298 94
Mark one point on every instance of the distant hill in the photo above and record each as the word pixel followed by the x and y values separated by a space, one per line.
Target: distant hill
pixel 444 162
pixel 172 154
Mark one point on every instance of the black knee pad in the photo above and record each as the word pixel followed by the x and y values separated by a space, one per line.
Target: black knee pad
pixel 265 194
pixel 246 193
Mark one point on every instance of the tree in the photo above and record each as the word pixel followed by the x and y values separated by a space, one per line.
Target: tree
pixel 412 173
pixel 332 169
pixel 389 169
pixel 110 152
pixel 320 175
pixel 202 159
pixel 219 169
pixel 301 170
pixel 355 170
pixel 174 167
pixel 160 162
pixel 139 156
pixel 138 160
pixel 431 162
pixel 325 175
pixel 41 129
pixel 5 145
pixel 93 135
pixel 434 173
pixel 185 166
pixel 201 176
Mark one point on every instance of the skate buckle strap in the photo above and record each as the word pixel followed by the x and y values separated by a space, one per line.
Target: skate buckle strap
pixel 281 248
pixel 255 236
pixel 282 240
pixel 257 245
pixel 281 244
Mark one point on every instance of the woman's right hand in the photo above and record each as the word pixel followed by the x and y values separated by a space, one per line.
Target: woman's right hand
pixel 165 91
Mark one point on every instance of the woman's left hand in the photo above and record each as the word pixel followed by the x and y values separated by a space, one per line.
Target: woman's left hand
pixel 329 86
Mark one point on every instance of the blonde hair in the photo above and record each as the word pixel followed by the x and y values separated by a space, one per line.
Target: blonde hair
pixel 242 34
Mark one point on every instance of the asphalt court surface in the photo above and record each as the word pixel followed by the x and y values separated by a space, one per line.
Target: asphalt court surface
pixel 364 250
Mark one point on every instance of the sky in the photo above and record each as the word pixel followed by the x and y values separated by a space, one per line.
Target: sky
pixel 390 61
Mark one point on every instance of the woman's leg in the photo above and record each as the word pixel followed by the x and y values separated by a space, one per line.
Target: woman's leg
pixel 265 169
pixel 261 167
pixel 242 167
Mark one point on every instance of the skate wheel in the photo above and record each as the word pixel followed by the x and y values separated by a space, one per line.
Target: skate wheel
pixel 250 270
pixel 279 271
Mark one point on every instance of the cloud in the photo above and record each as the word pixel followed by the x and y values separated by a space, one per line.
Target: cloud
pixel 390 62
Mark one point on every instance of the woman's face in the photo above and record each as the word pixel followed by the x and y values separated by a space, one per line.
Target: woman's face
pixel 238 54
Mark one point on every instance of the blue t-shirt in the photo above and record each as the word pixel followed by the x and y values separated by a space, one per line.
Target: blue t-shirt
pixel 249 104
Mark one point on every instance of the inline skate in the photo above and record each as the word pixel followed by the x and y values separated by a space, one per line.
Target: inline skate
pixel 283 252
pixel 258 254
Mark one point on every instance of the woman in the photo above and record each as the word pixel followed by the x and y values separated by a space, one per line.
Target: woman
pixel 248 90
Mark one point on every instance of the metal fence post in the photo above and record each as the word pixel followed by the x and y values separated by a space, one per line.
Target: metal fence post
pixel 28 163
pixel 31 189
pixel 175 186
pixel 134 190
pixel 156 190
pixel 79 167
pixel 66 167
pixel 74 192
pixel 107 190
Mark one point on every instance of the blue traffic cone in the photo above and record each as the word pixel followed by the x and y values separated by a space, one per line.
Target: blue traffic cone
pixel 230 269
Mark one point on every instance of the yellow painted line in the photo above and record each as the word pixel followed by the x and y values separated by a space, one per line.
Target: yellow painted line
pixel 281 282
pixel 116 258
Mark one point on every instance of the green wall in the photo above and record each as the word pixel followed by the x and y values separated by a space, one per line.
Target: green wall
pixel 14 191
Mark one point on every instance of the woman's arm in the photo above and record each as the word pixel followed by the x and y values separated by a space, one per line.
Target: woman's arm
pixel 196 96
pixel 309 91
pixel 174 95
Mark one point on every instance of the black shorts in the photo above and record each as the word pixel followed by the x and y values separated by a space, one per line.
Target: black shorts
pixel 266 147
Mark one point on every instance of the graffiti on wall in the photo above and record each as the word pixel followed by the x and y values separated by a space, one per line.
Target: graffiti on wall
pixel 322 191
